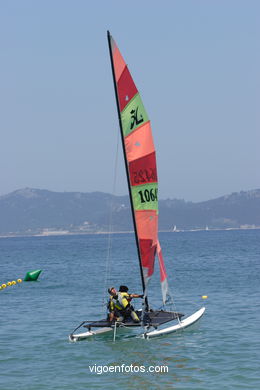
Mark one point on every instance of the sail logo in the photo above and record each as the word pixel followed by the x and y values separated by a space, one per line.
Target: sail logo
pixel 133 115
pixel 137 118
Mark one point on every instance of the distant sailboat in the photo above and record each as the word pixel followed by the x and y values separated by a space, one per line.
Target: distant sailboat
pixel 141 172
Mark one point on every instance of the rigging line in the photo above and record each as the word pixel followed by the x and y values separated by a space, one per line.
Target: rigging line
pixel 173 305
pixel 110 227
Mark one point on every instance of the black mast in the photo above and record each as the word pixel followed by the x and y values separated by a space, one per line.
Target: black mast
pixel 126 165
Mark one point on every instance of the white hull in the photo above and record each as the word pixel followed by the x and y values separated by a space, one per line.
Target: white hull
pixel 170 329
pixel 85 335
pixel 180 326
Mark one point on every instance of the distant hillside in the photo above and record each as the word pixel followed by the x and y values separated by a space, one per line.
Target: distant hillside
pixel 231 211
pixel 33 211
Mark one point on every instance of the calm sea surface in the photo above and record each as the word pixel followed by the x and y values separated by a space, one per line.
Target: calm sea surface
pixel 222 351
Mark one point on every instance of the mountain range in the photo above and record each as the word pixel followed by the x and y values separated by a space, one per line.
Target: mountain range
pixel 33 211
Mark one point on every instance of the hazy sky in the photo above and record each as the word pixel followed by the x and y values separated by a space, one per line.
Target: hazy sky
pixel 195 63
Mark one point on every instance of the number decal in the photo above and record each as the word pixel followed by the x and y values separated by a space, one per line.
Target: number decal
pixel 148 195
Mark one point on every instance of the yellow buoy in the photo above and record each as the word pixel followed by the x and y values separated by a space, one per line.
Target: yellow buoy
pixel 204 297
pixel 3 285
pixel 13 282
pixel 9 284
pixel 19 280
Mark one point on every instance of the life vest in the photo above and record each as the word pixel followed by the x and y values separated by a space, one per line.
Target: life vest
pixel 124 299
pixel 120 302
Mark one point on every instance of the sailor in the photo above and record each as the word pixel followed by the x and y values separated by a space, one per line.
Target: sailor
pixel 119 304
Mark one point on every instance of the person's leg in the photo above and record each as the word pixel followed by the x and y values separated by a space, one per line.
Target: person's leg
pixel 134 316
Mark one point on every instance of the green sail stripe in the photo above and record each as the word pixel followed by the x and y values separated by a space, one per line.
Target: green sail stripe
pixel 145 196
pixel 133 115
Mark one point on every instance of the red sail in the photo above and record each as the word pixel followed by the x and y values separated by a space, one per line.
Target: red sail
pixel 141 169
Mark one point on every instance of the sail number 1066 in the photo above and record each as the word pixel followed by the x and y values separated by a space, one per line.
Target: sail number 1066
pixel 148 195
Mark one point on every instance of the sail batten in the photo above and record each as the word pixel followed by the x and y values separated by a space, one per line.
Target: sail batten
pixel 140 161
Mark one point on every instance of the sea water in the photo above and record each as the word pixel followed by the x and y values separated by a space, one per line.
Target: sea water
pixel 222 351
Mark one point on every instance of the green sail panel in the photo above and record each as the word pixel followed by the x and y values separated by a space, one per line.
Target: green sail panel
pixel 145 197
pixel 133 115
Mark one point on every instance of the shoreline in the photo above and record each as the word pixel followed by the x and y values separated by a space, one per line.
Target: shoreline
pixel 67 233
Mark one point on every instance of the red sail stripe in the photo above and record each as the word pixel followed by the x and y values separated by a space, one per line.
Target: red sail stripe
pixel 148 251
pixel 126 88
pixel 163 274
pixel 119 63
pixel 143 170
pixel 147 222
pixel 139 143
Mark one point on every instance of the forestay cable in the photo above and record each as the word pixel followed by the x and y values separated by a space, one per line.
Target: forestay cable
pixel 107 278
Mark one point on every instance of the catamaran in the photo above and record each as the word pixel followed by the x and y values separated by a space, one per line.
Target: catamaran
pixel 141 172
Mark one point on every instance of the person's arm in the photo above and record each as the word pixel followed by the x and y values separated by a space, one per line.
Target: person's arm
pixel 111 316
pixel 136 295
pixel 111 308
